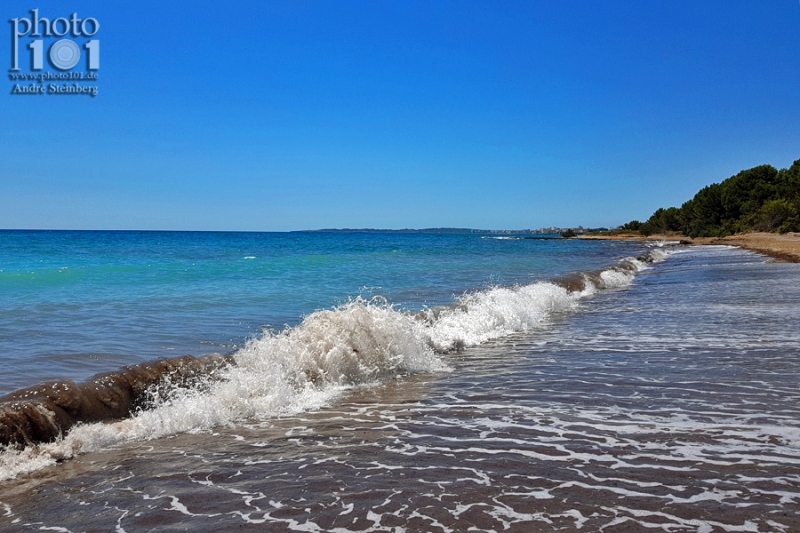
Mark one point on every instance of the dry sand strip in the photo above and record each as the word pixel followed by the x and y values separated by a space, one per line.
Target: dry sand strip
pixel 784 247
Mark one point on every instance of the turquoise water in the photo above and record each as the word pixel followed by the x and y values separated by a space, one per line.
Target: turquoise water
pixel 407 383
pixel 75 303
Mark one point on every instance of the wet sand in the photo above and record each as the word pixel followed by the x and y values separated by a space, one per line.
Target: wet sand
pixel 669 406
pixel 785 247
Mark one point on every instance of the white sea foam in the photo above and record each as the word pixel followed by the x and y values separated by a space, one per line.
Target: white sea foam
pixel 307 366
pixel 297 369
pixel 614 279
pixel 499 311
pixel 496 312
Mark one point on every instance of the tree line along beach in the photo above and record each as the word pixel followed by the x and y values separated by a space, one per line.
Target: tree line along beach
pixel 757 209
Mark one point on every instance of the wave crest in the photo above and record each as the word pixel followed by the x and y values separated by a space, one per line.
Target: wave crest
pixel 300 368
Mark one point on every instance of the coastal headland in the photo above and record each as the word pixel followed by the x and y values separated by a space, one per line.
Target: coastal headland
pixel 785 247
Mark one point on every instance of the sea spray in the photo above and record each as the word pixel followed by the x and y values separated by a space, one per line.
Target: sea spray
pixel 309 365
pixel 493 313
pixel 481 316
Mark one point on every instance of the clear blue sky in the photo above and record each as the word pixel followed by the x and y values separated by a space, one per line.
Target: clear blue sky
pixel 272 116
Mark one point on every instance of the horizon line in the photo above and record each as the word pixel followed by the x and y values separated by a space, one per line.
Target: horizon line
pixel 442 229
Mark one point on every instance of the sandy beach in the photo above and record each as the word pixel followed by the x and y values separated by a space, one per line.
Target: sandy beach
pixel 785 247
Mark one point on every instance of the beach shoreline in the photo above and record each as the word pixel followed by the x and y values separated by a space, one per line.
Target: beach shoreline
pixel 784 247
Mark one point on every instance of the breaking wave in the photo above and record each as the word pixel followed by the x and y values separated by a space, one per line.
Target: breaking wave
pixel 300 368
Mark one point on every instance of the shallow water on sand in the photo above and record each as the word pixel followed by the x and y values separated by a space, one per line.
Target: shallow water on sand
pixel 670 405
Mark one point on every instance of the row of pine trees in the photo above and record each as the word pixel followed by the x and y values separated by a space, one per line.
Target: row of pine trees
pixel 758 199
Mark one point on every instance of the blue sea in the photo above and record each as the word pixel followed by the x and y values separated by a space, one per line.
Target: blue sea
pixel 73 304
pixel 350 381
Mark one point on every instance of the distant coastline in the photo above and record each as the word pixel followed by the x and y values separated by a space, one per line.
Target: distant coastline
pixel 444 231
pixel 457 231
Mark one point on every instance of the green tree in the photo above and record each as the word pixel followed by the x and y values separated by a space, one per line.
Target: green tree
pixel 774 215
pixel 761 198
pixel 633 225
